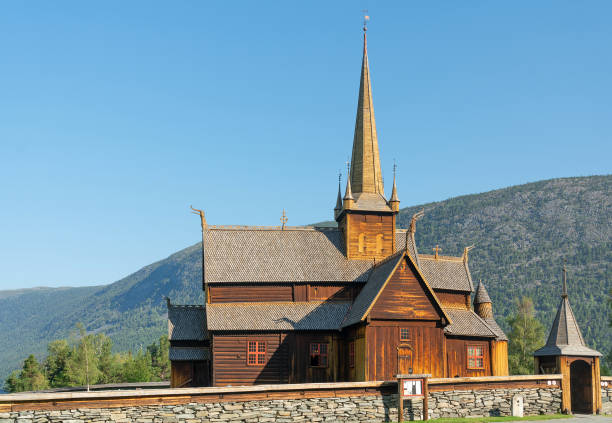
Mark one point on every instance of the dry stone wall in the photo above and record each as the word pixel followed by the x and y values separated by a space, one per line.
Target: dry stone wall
pixel 365 408
pixel 606 399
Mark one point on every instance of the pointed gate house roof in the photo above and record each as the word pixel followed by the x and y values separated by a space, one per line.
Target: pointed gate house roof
pixel 565 337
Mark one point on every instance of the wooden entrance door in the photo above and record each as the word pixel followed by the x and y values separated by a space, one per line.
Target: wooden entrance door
pixel 580 387
pixel 404 359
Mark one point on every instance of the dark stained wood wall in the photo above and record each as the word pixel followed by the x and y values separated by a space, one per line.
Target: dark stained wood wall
pixel 426 341
pixel 181 374
pixel 404 297
pixel 236 293
pixel 370 225
pixel 250 292
pixel 457 357
pixel 230 355
pixel 287 359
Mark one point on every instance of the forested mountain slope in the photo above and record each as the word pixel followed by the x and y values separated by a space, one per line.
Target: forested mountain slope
pixel 521 234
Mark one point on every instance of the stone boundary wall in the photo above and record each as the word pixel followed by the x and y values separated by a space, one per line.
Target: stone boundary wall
pixel 338 402
pixel 606 395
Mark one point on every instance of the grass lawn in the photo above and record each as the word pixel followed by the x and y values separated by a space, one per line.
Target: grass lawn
pixel 500 419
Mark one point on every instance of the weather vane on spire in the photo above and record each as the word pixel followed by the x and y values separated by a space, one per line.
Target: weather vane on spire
pixel 366 18
pixel 394 168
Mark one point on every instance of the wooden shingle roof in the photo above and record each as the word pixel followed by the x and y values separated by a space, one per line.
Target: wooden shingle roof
pixel 189 353
pixel 448 273
pixel 187 323
pixel 260 254
pixel 467 323
pixel 565 337
pixel 276 316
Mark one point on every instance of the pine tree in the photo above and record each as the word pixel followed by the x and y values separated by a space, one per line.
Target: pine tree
pixel 526 335
pixel 56 363
pixel 30 378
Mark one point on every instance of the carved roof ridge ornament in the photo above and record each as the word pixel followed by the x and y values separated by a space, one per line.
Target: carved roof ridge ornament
pixel 466 250
pixel 414 219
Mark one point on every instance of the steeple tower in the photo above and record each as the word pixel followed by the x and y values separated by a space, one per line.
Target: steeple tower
pixel 367 219
pixel 365 162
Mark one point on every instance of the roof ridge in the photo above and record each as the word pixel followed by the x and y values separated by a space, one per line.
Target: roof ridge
pixel 194 306
pixel 276 303
pixel 386 259
pixel 440 257
pixel 271 228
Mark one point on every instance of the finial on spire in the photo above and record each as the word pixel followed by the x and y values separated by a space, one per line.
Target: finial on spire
pixel 348 193
pixel 564 293
pixel 366 18
pixel 283 220
pixel 338 207
pixel 394 200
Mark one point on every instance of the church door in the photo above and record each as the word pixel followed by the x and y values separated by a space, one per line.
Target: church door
pixel 404 359
pixel 580 387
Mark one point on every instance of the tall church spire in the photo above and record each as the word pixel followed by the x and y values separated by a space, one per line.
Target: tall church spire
pixel 365 162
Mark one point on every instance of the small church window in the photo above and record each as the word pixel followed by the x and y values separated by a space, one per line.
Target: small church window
pixel 362 239
pixel 318 355
pixel 379 243
pixel 475 356
pixel 256 353
pixel 351 354
pixel 404 334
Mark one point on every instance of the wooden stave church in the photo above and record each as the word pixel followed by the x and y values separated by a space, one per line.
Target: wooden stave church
pixel 355 302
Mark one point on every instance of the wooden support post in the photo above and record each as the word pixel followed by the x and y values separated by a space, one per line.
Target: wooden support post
pixel 425 399
pixel 400 406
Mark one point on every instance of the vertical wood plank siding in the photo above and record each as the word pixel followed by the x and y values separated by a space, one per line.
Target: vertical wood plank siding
pixel 457 358
pixel 499 358
pixel 426 342
pixel 404 298
pixel 370 225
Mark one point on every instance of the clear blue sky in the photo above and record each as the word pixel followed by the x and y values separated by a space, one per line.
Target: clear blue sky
pixel 116 116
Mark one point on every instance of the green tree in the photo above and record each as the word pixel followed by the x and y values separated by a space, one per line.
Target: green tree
pixel 83 367
pixel 138 368
pixel 160 361
pixel 30 378
pixel 526 335
pixel 56 363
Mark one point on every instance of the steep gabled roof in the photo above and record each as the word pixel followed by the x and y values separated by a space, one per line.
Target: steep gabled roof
pixel 445 272
pixel 276 316
pixel 187 323
pixel 379 278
